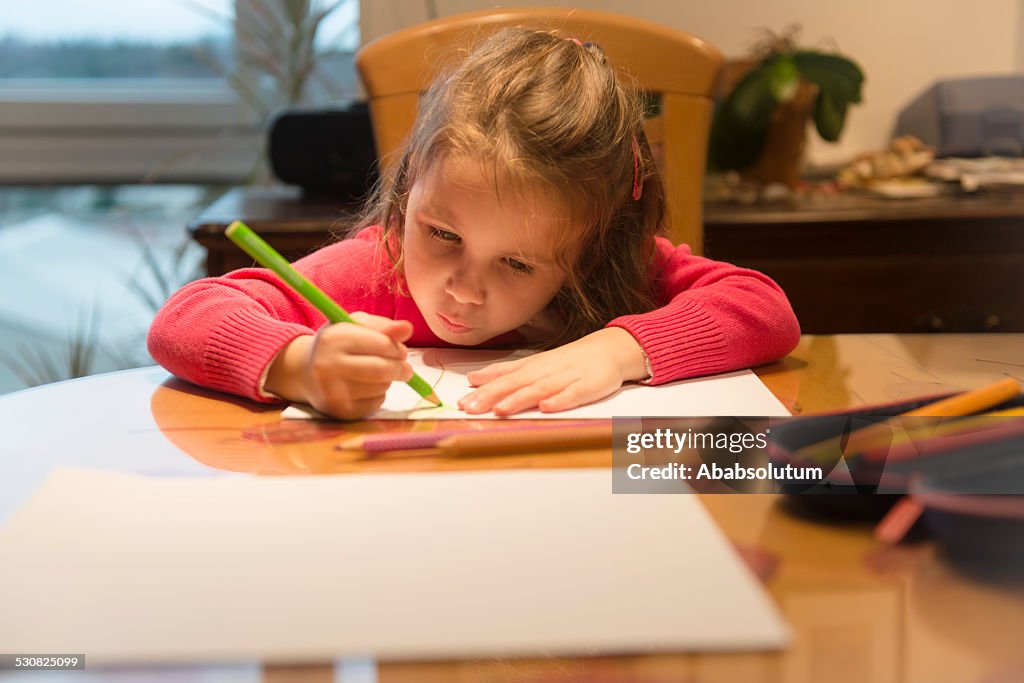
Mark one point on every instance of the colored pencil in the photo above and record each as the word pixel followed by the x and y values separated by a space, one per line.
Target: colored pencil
pixel 527 440
pixel 898 520
pixel 880 434
pixel 397 441
pixel 264 254
pixel 406 441
pixel 985 426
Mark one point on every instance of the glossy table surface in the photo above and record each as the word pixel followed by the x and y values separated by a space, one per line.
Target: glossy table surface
pixel 859 611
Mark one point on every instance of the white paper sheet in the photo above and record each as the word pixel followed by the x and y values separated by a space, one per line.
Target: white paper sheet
pixel 733 394
pixel 129 569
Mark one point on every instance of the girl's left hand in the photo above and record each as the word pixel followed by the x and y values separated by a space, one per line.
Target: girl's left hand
pixel 578 373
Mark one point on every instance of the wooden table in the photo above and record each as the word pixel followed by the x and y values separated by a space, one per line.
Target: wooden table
pixel 859 612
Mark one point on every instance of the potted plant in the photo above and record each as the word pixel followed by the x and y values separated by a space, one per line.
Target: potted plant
pixel 759 127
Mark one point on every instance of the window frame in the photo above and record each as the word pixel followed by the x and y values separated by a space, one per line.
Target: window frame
pixel 62 131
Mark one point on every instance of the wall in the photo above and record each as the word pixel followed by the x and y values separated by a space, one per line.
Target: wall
pixel 902 45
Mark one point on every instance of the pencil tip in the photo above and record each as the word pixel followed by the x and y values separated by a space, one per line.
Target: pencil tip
pixel 434 399
pixel 354 443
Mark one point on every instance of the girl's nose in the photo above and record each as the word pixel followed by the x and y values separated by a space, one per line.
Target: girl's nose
pixel 465 287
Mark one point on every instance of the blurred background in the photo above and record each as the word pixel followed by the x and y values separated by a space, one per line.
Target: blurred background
pixel 121 120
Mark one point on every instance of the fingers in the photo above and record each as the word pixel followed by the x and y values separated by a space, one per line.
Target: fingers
pixel 351 367
pixel 347 408
pixel 397 330
pixel 359 355
pixel 493 371
pixel 349 399
pixel 534 395
pixel 551 381
pixel 363 369
pixel 359 339
pixel 496 385
pixel 516 392
pixel 571 396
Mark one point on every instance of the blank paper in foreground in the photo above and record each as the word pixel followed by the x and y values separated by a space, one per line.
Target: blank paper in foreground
pixel 131 569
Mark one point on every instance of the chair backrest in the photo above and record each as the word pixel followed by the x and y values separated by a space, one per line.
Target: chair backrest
pixel 681 69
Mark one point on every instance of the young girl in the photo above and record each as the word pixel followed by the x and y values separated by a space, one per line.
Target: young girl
pixel 524 212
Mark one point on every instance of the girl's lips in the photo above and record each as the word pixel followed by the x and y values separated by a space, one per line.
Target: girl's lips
pixel 452 325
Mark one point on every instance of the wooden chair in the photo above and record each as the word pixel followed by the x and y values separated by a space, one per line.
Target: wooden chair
pixel 682 69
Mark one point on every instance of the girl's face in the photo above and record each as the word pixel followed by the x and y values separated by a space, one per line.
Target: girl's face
pixel 478 264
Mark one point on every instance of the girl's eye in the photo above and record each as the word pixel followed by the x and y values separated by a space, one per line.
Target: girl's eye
pixel 443 235
pixel 518 267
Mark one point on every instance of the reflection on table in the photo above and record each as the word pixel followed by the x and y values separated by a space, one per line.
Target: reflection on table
pixel 860 612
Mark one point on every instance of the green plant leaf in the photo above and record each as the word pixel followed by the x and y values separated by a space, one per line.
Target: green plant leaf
pixel 839 82
pixel 740 123
pixel 829 116
pixel 785 79
pixel 832 73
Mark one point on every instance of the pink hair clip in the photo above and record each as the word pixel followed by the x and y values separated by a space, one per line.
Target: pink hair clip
pixel 638 188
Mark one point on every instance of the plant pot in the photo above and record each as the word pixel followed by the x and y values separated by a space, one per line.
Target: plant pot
pixel 781 160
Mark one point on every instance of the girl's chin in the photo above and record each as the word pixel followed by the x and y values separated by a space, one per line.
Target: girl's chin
pixel 471 339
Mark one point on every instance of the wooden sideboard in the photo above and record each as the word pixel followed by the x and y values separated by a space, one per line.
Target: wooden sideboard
pixel 292 222
pixel 849 263
pixel 852 263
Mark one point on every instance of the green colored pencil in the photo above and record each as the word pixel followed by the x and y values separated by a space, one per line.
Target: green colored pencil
pixel 264 254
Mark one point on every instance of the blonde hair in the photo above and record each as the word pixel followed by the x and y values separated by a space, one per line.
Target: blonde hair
pixel 548 113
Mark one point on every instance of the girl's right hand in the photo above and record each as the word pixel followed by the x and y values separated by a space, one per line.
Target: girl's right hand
pixel 345 370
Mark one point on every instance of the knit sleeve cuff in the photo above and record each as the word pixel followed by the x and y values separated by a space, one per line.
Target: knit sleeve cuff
pixel 240 351
pixel 680 340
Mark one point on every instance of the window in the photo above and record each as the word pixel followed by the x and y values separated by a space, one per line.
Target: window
pixel 157 90
pixel 112 39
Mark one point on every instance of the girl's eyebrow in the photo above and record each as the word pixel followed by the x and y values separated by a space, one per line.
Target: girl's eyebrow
pixel 546 262
pixel 438 213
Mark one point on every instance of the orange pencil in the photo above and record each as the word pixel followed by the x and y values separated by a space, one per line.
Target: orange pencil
pixel 982 423
pixel 880 434
pixel 508 441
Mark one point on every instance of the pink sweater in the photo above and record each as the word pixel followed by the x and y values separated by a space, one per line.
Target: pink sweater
pixel 223 332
